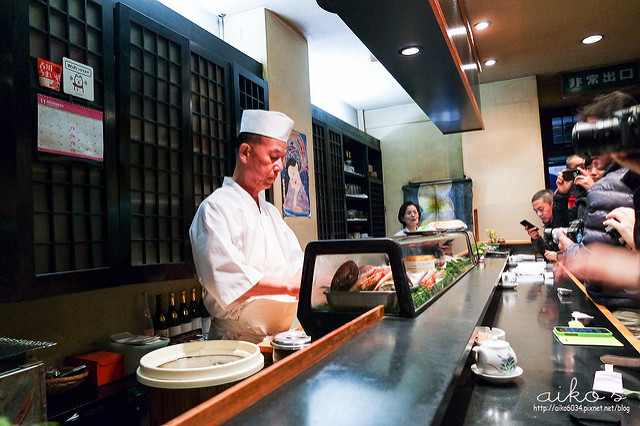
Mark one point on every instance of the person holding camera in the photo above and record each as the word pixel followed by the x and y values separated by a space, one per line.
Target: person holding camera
pixel 571 195
pixel 610 191
pixel 611 274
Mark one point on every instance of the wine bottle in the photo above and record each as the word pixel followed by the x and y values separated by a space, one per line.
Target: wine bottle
pixel 205 317
pixel 173 320
pixel 147 320
pixel 160 319
pixel 183 313
pixel 194 311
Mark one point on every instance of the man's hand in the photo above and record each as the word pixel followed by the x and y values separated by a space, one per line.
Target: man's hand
pixel 610 266
pixel 584 180
pixel 269 285
pixel 623 220
pixel 533 232
pixel 551 256
pixel 564 186
pixel 563 241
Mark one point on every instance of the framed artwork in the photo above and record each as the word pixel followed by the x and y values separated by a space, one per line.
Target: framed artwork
pixel 295 177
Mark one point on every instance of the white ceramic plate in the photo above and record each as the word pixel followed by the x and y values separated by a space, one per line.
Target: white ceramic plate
pixel 498 379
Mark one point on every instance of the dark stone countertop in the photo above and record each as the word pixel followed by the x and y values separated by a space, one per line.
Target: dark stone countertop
pixel 400 369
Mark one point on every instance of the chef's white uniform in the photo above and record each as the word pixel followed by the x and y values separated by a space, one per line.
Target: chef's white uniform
pixel 234 245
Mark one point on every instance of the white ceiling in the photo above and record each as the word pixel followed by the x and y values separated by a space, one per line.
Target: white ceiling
pixel 527 37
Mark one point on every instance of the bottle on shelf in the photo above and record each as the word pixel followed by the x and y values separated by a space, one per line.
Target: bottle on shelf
pixel 173 320
pixel 147 320
pixel 348 163
pixel 183 313
pixel 205 317
pixel 160 319
pixel 194 311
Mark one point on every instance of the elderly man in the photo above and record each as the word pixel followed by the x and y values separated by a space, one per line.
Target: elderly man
pixel 247 258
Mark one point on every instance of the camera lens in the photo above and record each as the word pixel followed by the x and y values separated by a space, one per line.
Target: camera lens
pixel 596 138
pixel 618 133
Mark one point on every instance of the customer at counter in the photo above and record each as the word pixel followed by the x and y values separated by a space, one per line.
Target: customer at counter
pixel 246 257
pixel 409 217
pixel 575 208
pixel 543 206
pixel 611 274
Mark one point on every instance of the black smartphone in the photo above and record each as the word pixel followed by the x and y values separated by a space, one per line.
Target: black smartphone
pixel 570 174
pixel 527 224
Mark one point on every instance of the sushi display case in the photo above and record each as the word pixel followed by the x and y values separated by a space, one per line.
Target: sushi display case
pixel 341 279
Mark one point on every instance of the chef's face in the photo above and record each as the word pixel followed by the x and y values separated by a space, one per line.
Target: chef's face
pixel 411 216
pixel 264 161
pixel 543 209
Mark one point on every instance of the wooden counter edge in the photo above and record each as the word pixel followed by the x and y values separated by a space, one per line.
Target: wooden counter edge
pixel 633 340
pixel 232 401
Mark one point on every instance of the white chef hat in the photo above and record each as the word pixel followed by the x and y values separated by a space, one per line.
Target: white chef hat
pixel 271 124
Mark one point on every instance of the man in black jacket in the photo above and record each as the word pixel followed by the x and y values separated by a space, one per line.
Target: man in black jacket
pixel 551 217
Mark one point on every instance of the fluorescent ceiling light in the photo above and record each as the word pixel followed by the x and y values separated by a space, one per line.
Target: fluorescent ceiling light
pixel 482 25
pixel 592 39
pixel 467 67
pixel 490 62
pixel 410 50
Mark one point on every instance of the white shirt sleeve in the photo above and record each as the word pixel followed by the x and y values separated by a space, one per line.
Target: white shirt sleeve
pixel 219 260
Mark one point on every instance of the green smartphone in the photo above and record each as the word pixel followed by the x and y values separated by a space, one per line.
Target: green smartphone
pixel 582 331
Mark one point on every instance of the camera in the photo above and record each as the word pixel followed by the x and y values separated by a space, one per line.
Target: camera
pixel 574 231
pixel 618 133
pixel 570 174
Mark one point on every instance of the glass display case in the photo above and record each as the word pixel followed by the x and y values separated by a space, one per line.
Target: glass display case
pixel 341 279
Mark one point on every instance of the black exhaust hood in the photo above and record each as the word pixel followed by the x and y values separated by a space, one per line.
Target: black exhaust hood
pixel 434 78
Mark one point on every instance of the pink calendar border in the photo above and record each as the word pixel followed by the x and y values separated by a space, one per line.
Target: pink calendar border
pixel 72 154
pixel 69 107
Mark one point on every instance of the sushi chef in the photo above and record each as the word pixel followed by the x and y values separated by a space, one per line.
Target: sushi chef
pixel 246 257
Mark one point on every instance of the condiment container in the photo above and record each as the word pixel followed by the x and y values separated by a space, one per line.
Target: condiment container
pixel 288 342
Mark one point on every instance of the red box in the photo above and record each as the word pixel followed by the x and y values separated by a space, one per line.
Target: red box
pixel 103 366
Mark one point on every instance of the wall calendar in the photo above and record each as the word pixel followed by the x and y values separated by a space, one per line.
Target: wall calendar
pixel 69 129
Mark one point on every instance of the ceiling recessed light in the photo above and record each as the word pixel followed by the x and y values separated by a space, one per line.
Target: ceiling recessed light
pixel 410 50
pixel 482 25
pixel 592 39
pixel 490 62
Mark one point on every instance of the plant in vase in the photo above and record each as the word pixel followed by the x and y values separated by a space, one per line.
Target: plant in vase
pixel 493 239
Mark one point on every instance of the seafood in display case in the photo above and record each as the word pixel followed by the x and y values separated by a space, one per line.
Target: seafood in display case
pixel 343 278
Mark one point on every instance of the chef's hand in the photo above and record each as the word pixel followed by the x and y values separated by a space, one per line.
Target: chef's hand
pixel 551 256
pixel 564 186
pixel 584 179
pixel 533 232
pixel 623 220
pixel 269 285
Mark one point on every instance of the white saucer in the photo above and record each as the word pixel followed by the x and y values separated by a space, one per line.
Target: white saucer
pixel 509 285
pixel 497 378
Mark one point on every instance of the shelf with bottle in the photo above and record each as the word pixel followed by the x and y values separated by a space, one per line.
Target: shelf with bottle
pixel 183 322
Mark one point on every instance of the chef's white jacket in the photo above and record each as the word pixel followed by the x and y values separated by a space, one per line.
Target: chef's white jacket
pixel 235 244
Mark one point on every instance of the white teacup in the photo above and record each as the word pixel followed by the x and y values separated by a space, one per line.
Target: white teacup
pixel 509 278
pixel 495 358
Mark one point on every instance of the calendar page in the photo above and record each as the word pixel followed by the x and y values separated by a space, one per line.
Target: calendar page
pixel 69 129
